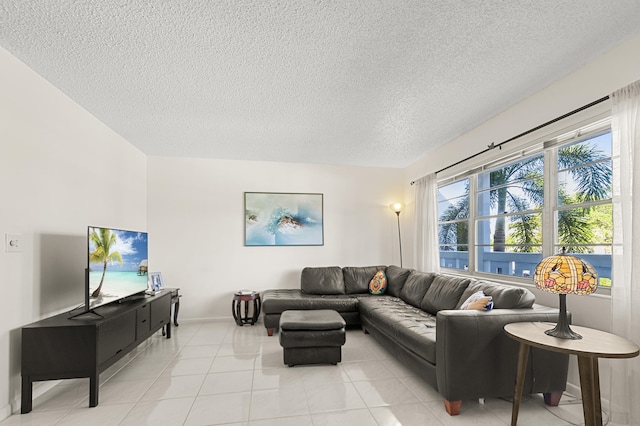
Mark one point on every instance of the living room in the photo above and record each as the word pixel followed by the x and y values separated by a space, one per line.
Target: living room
pixel 63 170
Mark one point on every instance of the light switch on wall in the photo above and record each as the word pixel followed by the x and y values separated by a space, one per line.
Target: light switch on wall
pixel 13 243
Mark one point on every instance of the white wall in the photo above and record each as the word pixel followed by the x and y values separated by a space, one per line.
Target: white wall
pixel 60 170
pixel 196 225
pixel 613 70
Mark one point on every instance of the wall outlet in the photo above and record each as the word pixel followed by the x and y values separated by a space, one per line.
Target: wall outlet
pixel 13 243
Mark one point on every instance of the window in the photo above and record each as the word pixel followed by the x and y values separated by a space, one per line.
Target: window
pixel 583 215
pixel 524 209
pixel 509 219
pixel 453 224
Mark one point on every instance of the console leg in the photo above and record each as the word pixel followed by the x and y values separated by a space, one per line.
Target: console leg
pixel 168 329
pixel 452 407
pixel 176 309
pixel 93 390
pixel 27 395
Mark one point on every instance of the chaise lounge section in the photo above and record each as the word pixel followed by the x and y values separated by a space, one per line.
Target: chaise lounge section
pixel 463 354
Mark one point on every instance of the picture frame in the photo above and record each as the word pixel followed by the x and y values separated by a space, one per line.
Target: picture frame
pixel 155 281
pixel 283 219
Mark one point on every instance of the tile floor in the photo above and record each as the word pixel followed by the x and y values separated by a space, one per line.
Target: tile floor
pixel 214 372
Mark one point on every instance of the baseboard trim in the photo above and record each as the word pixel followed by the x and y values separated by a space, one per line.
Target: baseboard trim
pixel 229 318
pixel 39 389
pixel 5 412
pixel 573 390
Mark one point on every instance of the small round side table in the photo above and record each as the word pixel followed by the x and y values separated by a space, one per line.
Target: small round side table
pixel 242 316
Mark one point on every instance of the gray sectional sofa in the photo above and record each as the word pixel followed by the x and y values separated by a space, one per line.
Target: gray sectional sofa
pixel 463 354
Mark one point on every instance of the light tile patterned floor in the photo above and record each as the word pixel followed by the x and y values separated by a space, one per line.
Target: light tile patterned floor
pixel 214 372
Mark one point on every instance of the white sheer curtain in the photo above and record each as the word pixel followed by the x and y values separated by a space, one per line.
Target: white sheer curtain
pixel 427 254
pixel 625 292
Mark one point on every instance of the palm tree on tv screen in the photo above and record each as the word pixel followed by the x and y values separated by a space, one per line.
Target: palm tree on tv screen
pixel 104 240
pixel 593 182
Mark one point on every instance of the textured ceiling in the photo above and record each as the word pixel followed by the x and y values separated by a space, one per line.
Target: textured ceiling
pixel 317 81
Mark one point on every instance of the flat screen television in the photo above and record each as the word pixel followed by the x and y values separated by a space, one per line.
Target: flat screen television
pixel 117 265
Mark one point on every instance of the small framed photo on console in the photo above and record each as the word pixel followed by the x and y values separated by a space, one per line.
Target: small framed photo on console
pixel 155 281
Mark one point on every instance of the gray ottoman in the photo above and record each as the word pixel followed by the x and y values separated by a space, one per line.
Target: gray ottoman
pixel 312 337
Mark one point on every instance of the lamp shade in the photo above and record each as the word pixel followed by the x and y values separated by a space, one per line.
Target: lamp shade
pixel 396 207
pixel 565 274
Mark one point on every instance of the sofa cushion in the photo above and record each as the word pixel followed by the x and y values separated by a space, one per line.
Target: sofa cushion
pixel 396 277
pixel 357 278
pixel 409 327
pixel 317 319
pixel 378 284
pixel 416 286
pixel 324 280
pixel 444 293
pixel 276 301
pixel 504 296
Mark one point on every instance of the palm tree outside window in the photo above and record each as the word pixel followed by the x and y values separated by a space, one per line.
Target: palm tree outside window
pixel 453 224
pixel 505 224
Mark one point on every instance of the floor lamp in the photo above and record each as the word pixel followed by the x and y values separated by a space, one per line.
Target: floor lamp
pixel 397 208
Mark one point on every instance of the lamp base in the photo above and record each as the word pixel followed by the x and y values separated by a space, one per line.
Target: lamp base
pixel 566 333
pixel 562 329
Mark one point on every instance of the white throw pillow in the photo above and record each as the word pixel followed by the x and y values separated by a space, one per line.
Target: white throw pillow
pixel 476 297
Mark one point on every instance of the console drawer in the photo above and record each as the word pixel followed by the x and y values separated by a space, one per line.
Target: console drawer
pixel 160 311
pixel 143 321
pixel 115 335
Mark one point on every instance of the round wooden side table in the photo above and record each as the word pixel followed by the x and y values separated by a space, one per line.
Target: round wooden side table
pixel 240 315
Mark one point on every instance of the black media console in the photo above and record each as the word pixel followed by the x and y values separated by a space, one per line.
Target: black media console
pixel 62 347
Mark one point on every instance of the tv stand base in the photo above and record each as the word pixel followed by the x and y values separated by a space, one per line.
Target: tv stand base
pixel 63 348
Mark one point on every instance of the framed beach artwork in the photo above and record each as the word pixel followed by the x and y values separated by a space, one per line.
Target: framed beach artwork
pixel 283 219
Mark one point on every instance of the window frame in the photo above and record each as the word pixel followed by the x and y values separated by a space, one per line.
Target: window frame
pixel 599 122
pixel 455 221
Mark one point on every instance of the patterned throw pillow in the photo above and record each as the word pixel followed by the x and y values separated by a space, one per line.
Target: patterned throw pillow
pixel 378 283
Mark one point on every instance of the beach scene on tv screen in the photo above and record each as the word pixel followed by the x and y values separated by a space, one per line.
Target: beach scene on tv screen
pixel 118 265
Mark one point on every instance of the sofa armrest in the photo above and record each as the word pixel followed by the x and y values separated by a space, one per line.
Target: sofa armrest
pixel 475 358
